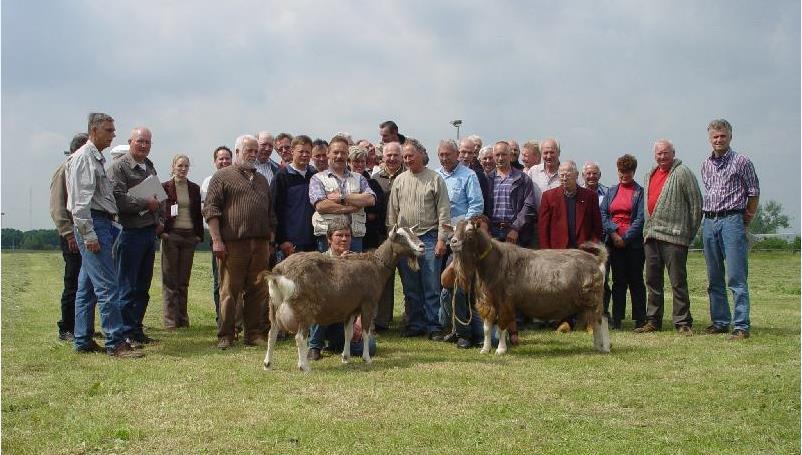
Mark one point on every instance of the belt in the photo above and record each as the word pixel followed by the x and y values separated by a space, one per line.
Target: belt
pixel 501 225
pixel 102 214
pixel 723 213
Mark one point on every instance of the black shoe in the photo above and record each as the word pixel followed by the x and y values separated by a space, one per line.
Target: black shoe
pixel 66 336
pixel 451 337
pixel 93 347
pixel 125 351
pixel 615 325
pixel 133 343
pixel 143 339
pixel 380 328
pixel 464 343
pixel 436 335
pixel 224 343
pixel 410 333
pixel 314 354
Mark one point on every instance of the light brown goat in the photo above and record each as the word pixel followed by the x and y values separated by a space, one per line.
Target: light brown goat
pixel 313 288
pixel 545 284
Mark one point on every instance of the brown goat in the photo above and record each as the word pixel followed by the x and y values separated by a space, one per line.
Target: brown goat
pixel 545 284
pixel 314 288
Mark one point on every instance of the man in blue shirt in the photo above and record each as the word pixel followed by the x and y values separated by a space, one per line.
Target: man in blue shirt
pixel 465 196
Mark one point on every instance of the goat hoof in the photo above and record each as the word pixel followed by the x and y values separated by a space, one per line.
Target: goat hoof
pixel 501 352
pixel 346 359
pixel 266 365
pixel 304 369
pixel 484 351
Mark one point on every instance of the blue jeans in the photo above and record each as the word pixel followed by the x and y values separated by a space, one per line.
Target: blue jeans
pixel 422 288
pixel 464 308
pixel 725 243
pixel 317 333
pixel 134 255
pixel 334 334
pixel 97 282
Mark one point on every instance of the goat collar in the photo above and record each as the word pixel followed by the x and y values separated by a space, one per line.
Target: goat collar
pixel 487 251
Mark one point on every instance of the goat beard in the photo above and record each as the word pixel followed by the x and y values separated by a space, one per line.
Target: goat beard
pixel 412 263
pixel 465 269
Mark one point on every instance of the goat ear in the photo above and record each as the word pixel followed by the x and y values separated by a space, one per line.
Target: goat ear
pixel 391 234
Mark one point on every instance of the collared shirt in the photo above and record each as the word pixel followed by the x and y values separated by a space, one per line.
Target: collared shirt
pixel 240 198
pixel 729 180
pixel 317 191
pixel 502 206
pixel 542 179
pixel 464 191
pixel 266 169
pixel 125 173
pixel 88 188
pixel 601 190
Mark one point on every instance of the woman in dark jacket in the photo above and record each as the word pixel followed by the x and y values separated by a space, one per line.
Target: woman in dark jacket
pixel 375 229
pixel 622 219
pixel 183 229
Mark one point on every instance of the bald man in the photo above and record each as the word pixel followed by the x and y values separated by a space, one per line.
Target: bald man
pixel 142 222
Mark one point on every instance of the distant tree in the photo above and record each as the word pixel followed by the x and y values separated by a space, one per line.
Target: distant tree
pixel 11 238
pixel 769 218
pixel 40 239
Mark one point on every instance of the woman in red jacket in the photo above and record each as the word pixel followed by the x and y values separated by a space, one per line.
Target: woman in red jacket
pixel 183 229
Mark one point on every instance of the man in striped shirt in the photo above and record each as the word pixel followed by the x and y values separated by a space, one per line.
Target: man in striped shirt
pixel 730 202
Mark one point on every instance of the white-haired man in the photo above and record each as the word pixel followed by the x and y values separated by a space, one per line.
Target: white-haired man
pixel 242 228
pixel 265 165
pixel 544 175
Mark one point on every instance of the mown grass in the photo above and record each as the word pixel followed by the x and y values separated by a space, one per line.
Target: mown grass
pixel 654 393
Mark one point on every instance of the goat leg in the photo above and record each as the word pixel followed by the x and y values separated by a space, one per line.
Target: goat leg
pixel 487 326
pixel 601 334
pixel 303 350
pixel 349 333
pixel 366 345
pixel 502 343
pixel 272 336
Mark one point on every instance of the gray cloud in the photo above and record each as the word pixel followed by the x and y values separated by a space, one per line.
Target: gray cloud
pixel 606 78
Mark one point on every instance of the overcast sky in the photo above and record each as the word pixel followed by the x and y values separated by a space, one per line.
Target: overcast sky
pixel 604 77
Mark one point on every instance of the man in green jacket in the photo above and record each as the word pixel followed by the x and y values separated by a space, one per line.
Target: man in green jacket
pixel 672 217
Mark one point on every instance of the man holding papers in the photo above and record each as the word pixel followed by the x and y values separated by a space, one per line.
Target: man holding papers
pixel 140 217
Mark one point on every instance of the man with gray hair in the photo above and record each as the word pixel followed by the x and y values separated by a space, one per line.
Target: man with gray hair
pixel 69 247
pixel 242 224
pixel 466 199
pixel 544 175
pixel 671 219
pixel 513 200
pixel 419 200
pixel 142 221
pixel 90 199
pixel 591 174
pixel 731 197
pixel 265 165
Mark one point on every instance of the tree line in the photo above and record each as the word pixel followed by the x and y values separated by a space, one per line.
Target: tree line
pixel 769 218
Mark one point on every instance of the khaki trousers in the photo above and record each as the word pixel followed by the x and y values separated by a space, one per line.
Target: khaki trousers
pixel 178 250
pixel 239 275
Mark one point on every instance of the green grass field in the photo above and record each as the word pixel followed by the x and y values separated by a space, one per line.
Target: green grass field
pixel 654 393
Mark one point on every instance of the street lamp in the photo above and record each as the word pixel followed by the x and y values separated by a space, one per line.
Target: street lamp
pixel 456 124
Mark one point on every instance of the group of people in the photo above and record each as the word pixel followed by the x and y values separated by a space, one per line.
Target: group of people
pixel 318 194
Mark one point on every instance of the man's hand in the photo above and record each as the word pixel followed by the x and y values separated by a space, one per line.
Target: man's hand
pixel 618 242
pixel 334 196
pixel 440 248
pixel 219 249
pixel 159 230
pixel 92 245
pixel 287 248
pixel 153 204
pixel 748 217
pixel 512 236
pixel 72 244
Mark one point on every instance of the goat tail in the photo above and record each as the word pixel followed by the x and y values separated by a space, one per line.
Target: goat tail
pixel 598 250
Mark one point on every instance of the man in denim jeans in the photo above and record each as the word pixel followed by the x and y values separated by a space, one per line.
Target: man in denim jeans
pixel 142 223
pixel 91 202
pixel 419 200
pixel 730 202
